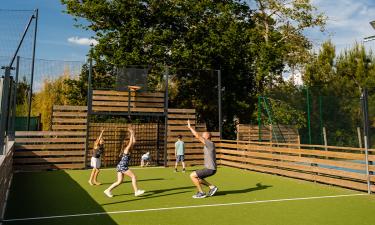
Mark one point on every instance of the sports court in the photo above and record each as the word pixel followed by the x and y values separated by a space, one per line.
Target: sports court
pixel 244 197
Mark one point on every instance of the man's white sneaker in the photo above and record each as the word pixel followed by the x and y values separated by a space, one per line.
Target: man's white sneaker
pixel 139 192
pixel 108 193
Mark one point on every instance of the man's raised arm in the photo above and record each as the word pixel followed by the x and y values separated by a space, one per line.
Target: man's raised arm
pixel 195 133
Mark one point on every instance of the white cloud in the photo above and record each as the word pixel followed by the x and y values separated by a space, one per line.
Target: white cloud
pixel 82 41
pixel 348 23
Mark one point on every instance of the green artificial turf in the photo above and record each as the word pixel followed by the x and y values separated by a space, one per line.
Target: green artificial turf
pixel 68 192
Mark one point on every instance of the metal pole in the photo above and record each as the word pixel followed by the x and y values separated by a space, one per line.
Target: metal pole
pixel 20 43
pixel 15 95
pixel 321 120
pixel 4 108
pixel 308 113
pixel 32 69
pixel 364 101
pixel 259 119
pixel 89 110
pixel 220 112
pixel 325 138
pixel 166 116
pixel 359 137
pixel 157 141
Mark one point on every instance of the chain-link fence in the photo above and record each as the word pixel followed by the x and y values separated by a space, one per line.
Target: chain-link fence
pixel 317 114
pixel 18 33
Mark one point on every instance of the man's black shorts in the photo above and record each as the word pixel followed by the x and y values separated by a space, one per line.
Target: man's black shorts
pixel 205 173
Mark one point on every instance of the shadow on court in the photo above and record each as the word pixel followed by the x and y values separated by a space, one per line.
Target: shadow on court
pixel 258 187
pixel 127 180
pixel 51 193
pixel 154 194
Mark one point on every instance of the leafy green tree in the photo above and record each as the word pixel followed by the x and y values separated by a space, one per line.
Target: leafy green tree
pixel 320 71
pixel 76 89
pixel 248 46
pixel 289 19
pixel 22 96
pixel 335 84
pixel 51 93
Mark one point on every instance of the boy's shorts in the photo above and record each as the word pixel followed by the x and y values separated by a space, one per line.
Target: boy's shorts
pixel 180 158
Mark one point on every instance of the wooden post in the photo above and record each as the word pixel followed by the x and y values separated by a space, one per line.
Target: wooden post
pixel 325 138
pixel 367 166
pixel 359 137
pixel 238 131
pixel 132 95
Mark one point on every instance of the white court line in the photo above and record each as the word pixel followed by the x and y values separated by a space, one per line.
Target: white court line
pixel 181 207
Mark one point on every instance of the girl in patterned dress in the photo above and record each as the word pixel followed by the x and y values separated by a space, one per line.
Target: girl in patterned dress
pixel 123 169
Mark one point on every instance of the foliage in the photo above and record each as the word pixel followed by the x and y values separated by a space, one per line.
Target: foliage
pixel 332 94
pixel 22 97
pixel 250 47
pixel 52 93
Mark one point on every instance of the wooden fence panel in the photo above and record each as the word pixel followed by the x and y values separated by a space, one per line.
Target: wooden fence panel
pixel 46 150
pixel 341 166
pixel 121 101
pixel 69 118
pixel 249 132
pixel 177 125
pixel 149 138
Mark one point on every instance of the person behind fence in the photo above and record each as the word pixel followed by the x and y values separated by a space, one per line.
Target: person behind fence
pixel 97 152
pixel 198 176
pixel 180 153
pixel 145 159
pixel 123 168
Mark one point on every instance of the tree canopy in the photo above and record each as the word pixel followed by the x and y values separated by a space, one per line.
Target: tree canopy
pixel 250 46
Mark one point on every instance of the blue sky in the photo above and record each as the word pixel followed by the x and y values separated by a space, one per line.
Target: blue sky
pixel 59 39
pixel 348 22
pixel 55 29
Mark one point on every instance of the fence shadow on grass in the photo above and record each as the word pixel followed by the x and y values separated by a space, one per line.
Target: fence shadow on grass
pixel 155 194
pixel 52 193
pixel 129 181
pixel 258 187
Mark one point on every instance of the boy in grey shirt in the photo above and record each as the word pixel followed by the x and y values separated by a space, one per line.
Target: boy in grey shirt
pixel 180 153
pixel 209 163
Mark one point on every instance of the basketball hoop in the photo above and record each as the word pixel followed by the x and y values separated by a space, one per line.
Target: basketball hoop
pixel 134 88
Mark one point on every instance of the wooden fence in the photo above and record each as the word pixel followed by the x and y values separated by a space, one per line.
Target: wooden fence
pixel 69 118
pixel 42 150
pixel 341 166
pixel 6 171
pixel 149 138
pixel 177 121
pixel 250 132
pixel 121 101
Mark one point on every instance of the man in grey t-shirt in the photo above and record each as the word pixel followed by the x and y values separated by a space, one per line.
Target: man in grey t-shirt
pixel 209 163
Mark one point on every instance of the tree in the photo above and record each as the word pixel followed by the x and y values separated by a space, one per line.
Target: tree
pixel 289 18
pixel 320 71
pixel 22 94
pixel 336 82
pixel 52 93
pixel 199 35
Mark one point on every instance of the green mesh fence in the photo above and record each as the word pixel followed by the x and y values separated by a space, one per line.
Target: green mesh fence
pixel 317 114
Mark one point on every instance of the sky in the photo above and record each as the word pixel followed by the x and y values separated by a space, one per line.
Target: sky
pixel 58 39
pixel 348 23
